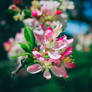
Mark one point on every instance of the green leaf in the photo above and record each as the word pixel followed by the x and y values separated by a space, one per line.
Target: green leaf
pixel 30 46
pixel 24 47
pixel 29 37
pixel 24 54
pixel 27 13
pixel 28 34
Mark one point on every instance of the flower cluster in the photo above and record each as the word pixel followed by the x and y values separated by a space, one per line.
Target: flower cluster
pixel 40 44
pixel 83 42
pixel 47 12
pixel 12 46
pixel 53 54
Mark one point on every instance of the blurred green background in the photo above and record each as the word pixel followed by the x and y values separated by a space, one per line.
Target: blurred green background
pixel 80 78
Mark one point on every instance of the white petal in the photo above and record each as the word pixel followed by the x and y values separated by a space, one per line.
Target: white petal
pixel 54 55
pixel 70 41
pixel 60 47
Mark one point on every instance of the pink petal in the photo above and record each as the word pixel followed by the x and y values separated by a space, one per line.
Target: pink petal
pixel 47 74
pixel 59 71
pixel 63 72
pixel 67 52
pixel 61 43
pixel 69 65
pixel 39 35
pixel 56 61
pixel 34 68
pixel 49 34
pixel 42 26
pixel 56 71
pixel 38 56
pixel 39 38
pixel 62 38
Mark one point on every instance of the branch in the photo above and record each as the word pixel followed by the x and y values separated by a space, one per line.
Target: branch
pixel 20 66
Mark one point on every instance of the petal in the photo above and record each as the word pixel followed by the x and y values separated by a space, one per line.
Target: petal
pixel 67 52
pixel 56 71
pixel 58 29
pixel 56 61
pixel 39 38
pixel 38 56
pixel 34 68
pixel 69 65
pixel 70 41
pixel 54 55
pixel 59 71
pixel 47 74
pixel 39 35
pixel 63 38
pixel 63 72
pixel 61 43
pixel 42 26
pixel 60 46
pixel 49 34
pixel 29 22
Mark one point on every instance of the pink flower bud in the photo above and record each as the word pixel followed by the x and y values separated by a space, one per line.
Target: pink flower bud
pixel 34 13
pixel 13 7
pixel 58 12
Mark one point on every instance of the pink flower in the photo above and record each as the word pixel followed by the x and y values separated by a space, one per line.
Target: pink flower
pixel 13 7
pixel 46 64
pixel 47 38
pixel 8 45
pixel 49 8
pixel 63 42
pixel 60 60
pixel 43 35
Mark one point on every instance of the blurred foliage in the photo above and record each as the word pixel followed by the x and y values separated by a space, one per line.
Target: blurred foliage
pixel 80 77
